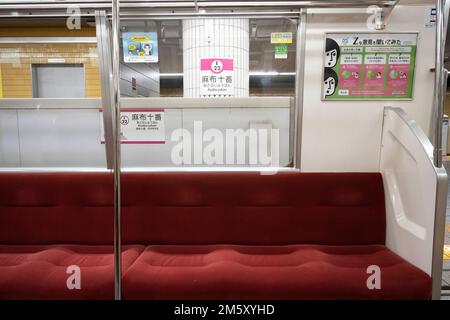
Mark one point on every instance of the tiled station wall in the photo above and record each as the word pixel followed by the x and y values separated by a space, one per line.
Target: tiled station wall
pixel 16 59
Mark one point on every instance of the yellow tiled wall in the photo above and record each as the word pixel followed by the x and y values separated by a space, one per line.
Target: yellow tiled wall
pixel 16 59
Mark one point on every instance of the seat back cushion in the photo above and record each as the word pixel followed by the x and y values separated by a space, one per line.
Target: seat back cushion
pixel 194 208
pixel 56 208
pixel 250 208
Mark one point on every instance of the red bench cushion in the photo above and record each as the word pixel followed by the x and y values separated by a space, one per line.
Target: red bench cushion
pixel 56 208
pixel 39 272
pixel 271 272
pixel 253 209
pixel 193 208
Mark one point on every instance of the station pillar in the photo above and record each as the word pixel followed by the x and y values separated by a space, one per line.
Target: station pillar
pixel 216 57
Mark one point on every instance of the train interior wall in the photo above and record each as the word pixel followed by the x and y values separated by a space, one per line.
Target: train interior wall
pixel 329 126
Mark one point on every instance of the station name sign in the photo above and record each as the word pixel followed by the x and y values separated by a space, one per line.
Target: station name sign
pixel 140 126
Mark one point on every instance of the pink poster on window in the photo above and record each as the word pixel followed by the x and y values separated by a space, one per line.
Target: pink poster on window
pixel 398 73
pixel 349 71
pixel 374 71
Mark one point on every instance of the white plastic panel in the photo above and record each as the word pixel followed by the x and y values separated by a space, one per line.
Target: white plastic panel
pixel 240 118
pixel 410 182
pixel 9 139
pixel 51 133
pixel 60 138
pixel 144 155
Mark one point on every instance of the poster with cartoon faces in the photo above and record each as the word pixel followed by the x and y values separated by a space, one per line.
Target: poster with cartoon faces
pixel 147 47
pixel 368 66
pixel 330 82
pixel 330 79
pixel 140 47
pixel 332 53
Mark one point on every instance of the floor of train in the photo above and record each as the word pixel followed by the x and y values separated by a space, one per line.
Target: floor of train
pixel 446 270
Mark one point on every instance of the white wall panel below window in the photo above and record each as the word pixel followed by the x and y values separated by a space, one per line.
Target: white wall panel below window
pixel 9 139
pixel 60 138
pixel 151 155
pixel 241 118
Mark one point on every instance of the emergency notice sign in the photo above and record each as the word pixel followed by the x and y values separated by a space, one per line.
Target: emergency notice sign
pixel 371 66
pixel 216 77
pixel 140 126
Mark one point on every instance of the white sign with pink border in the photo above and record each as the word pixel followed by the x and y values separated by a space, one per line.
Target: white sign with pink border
pixel 140 126
pixel 217 77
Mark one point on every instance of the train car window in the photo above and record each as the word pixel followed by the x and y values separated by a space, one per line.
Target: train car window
pixel 271 61
pixel 50 89
pixel 231 76
pixel 227 85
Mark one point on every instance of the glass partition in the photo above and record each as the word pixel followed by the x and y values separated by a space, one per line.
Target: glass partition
pixel 50 95
pixel 208 92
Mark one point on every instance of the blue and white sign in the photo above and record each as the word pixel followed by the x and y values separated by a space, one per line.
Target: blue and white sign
pixel 430 17
pixel 140 47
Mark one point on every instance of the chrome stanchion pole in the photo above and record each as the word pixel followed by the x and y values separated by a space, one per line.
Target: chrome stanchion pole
pixel 439 82
pixel 117 138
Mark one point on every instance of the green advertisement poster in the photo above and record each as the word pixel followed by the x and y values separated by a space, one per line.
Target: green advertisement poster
pixel 281 51
pixel 369 66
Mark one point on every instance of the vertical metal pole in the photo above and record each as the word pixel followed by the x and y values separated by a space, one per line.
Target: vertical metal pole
pixel 105 64
pixel 440 208
pixel 439 82
pixel 117 135
pixel 299 84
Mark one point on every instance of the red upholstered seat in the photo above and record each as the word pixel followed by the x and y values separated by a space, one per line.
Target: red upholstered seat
pixel 39 272
pixel 210 235
pixel 271 272
pixel 248 208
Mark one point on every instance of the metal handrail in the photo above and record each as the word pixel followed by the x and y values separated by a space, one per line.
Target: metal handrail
pixel 438 101
pixel 49 103
pixel 190 168
pixel 27 40
pixel 58 8
pixel 440 202
pixel 105 68
pixel 417 131
pixel 117 156
pixel 103 4
pixel 147 102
